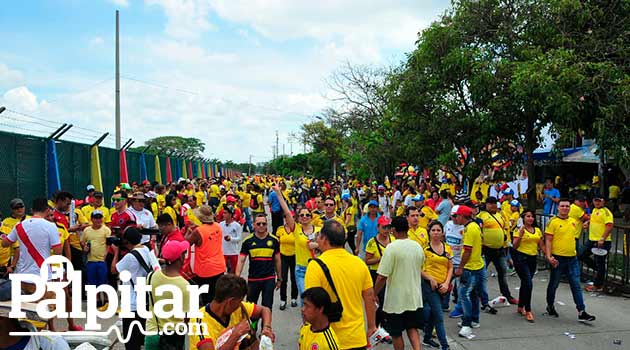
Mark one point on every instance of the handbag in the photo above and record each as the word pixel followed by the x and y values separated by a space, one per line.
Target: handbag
pixel 336 308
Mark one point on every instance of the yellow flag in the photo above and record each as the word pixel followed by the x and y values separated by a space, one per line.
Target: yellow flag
pixel 96 169
pixel 158 173
pixel 184 169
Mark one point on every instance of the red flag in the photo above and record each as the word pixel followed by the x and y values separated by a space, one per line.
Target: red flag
pixel 203 170
pixel 169 175
pixel 190 172
pixel 124 178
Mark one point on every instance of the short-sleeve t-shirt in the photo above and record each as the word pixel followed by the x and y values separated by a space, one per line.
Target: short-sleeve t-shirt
pixel 158 279
pixel 215 326
pixel 576 212
pixel 375 248
pixel 302 253
pixel 287 241
pixel 420 235
pixel 401 263
pixel 131 264
pixel 436 264
pixel 43 236
pixel 97 239
pixel 600 217
pixel 351 278
pixel 426 215
pixel 529 241
pixel 261 252
pixel 325 339
pixel 369 228
pixel 454 239
pixel 472 238
pixel 494 227
pixel 6 253
pixel 563 232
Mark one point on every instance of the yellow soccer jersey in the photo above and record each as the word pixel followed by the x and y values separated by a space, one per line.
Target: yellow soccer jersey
pixel 321 340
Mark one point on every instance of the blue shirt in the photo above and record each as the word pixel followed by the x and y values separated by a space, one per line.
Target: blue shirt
pixel 550 207
pixel 369 228
pixel 275 203
pixel 444 211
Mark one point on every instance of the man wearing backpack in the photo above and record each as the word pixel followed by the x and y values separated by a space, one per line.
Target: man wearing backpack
pixel 256 204
pixel 139 262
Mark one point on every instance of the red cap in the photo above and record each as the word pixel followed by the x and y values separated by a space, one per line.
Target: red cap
pixel 230 198
pixel 384 220
pixel 172 250
pixel 464 210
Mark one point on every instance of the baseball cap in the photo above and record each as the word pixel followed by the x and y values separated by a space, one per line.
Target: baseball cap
pixel 515 203
pixel 150 194
pixel 125 186
pixel 345 196
pixel 454 209
pixel 384 221
pixel 16 203
pixel 508 191
pixel 381 187
pixel 98 194
pixel 492 200
pixel 172 250
pixel 90 188
pixel 417 198
pixel 580 197
pixel 96 213
pixel 138 196
pixel 464 210
pixel 132 235
pixel 230 198
pixel 373 203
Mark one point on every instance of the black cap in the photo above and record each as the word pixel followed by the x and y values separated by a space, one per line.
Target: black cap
pixel 580 197
pixel 132 235
pixel 98 194
pixel 492 200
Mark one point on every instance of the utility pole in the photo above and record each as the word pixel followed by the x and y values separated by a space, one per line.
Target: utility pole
pixel 117 84
pixel 277 144
pixel 249 172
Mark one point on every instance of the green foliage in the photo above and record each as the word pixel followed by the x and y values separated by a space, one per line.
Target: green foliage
pixel 185 147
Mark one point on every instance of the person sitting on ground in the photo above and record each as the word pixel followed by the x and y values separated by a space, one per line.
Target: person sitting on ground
pixel 316 332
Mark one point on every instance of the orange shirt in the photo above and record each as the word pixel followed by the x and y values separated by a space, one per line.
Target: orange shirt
pixel 209 259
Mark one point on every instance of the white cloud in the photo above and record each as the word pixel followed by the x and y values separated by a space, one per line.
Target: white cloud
pixel 9 77
pixel 96 41
pixel 122 3
pixel 21 98
pixel 186 19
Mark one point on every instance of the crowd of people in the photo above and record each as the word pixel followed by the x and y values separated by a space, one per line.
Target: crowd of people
pixel 364 261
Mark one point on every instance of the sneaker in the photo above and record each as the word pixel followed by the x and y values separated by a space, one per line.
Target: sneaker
pixel 585 317
pixel 283 305
pixel 465 332
pixel 456 314
pixel 513 301
pixel 473 324
pixel 489 309
pixel 593 288
pixel 551 311
pixel 293 303
pixel 529 316
pixel 520 311
pixel 431 343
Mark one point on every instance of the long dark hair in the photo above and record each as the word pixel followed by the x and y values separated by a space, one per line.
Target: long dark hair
pixel 535 223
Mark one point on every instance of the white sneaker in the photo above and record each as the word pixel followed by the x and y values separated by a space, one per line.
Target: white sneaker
pixel 465 332
pixel 473 324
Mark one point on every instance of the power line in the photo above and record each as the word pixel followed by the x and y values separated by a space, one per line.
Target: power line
pixel 50 122
pixel 90 87
pixel 30 130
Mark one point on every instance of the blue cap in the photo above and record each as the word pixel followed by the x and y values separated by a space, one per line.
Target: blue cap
pixel 373 202
pixel 515 203
pixel 508 191
pixel 417 198
pixel 345 196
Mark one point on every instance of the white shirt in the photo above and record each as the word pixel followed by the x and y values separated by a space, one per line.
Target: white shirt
pixel 397 196
pixel 383 203
pixel 454 239
pixel 43 234
pixel 145 219
pixel 408 202
pixel 401 264
pixel 131 264
pixel 235 231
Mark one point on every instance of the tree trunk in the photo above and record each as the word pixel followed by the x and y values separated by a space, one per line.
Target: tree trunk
pixel 530 146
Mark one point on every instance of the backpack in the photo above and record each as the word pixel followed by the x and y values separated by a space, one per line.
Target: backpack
pixel 253 203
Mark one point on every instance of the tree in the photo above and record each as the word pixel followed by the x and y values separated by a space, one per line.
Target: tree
pixel 186 147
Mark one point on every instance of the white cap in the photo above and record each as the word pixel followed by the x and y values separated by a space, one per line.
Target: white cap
pixel 91 188
pixel 454 209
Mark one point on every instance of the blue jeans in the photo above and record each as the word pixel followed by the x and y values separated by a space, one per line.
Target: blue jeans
pixel 598 263
pixel 300 272
pixel 498 258
pixel 470 288
pixel 248 219
pixel 571 267
pixel 432 312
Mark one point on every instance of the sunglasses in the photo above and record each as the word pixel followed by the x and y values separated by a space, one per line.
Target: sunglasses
pixel 305 215
pixel 329 204
pixel 261 224
pixel 386 227
pixel 118 199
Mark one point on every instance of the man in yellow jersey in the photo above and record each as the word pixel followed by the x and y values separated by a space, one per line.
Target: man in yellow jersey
pixel 96 204
pixel 215 195
pixel 562 256
pixel 578 213
pixel 10 255
pixel 599 236
pixel 316 332
pixel 471 270
pixel 506 208
pixel 426 214
pixel 353 284
pixel 246 200
pixel 416 232
pixel 494 237
pixel 329 213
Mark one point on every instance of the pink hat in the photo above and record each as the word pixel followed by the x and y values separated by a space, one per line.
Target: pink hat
pixel 384 220
pixel 172 250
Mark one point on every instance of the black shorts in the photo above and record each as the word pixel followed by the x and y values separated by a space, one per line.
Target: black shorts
pixel 397 323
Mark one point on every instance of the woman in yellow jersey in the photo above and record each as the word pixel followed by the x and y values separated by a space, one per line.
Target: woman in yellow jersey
pixel 527 239
pixel 287 259
pixel 436 280
pixel 373 254
pixel 349 213
pixel 171 201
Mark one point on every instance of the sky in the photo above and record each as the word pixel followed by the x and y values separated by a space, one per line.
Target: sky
pixel 229 72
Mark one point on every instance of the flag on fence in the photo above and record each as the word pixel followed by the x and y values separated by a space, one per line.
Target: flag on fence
pixel 95 169
pixel 190 170
pixel 169 174
pixel 124 176
pixel 183 172
pixel 143 168
pixel 203 170
pixel 54 182
pixel 158 172
pixel 199 170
